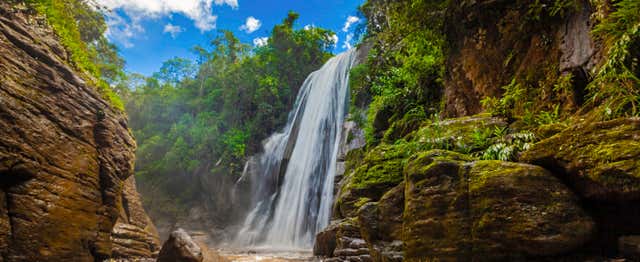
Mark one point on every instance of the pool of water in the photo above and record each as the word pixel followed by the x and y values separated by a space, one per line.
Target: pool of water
pixel 266 256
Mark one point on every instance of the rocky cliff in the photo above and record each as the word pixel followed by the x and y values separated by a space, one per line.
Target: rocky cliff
pixel 66 156
pixel 519 163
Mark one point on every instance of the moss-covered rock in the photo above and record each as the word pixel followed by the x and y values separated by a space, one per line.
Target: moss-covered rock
pixel 600 160
pixel 378 171
pixel 464 135
pixel 487 210
pixel 519 210
pixel 381 225
pixel 436 221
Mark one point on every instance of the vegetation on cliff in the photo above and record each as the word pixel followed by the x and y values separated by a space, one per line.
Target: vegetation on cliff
pixel 80 28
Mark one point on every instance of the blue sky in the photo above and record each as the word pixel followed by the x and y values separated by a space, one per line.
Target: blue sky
pixel 149 32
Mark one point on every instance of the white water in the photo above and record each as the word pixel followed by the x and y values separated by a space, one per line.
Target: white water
pixel 292 181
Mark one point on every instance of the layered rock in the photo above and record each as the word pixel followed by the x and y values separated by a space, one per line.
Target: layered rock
pixel 134 235
pixel 65 154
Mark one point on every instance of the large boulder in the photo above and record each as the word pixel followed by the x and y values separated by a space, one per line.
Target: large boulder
pixel 600 160
pixel 481 210
pixel 65 154
pixel 180 248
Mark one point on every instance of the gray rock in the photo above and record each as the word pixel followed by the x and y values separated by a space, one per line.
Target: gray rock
pixel 180 248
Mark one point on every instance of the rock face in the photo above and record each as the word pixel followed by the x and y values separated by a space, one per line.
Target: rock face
pixel 600 160
pixel 491 42
pixel 487 210
pixel 381 225
pixel 180 248
pixel 134 235
pixel 65 155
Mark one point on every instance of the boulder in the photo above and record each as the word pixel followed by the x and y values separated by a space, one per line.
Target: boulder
pixel 600 160
pixel 180 248
pixel 457 209
pixel 338 235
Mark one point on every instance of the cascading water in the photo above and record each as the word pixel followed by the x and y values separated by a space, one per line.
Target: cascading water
pixel 292 181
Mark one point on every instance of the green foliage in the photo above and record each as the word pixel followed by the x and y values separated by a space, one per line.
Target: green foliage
pixel 548 117
pixel 80 29
pixel 540 9
pixel 507 147
pixel 405 65
pixel 511 101
pixel 616 86
pixel 195 120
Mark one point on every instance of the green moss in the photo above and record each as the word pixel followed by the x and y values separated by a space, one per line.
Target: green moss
pixel 384 175
pixel 361 202
pixel 487 169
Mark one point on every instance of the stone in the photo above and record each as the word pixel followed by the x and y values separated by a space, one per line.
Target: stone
pixel 381 225
pixel 600 160
pixel 470 210
pixel 65 155
pixel 134 235
pixel 338 235
pixel 325 242
pixel 180 248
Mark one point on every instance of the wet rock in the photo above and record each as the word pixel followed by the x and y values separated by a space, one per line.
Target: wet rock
pixel 340 234
pixel 325 242
pixel 65 156
pixel 600 160
pixel 180 248
pixel 468 210
pixel 350 252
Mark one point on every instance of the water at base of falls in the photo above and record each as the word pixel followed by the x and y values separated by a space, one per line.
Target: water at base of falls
pixel 292 181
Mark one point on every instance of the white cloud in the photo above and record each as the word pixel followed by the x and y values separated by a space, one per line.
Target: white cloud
pixel 260 41
pixel 335 39
pixel 251 25
pixel 347 42
pixel 174 30
pixel 232 3
pixel 119 30
pixel 122 30
pixel 308 27
pixel 350 21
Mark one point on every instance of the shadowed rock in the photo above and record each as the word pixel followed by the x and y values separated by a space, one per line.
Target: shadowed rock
pixel 180 248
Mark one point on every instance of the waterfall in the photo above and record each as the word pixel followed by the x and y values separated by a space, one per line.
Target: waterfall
pixel 292 180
